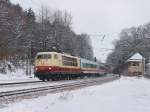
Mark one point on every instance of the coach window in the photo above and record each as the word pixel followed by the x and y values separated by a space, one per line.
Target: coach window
pixel 55 56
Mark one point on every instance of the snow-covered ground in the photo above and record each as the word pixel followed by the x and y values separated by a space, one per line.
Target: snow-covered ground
pixel 124 95
pixel 17 76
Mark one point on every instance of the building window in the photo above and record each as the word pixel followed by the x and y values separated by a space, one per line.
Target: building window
pixel 135 63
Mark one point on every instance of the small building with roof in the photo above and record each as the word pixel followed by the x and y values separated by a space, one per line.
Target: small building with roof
pixel 134 66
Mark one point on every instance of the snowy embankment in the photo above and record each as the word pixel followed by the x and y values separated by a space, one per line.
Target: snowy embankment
pixel 10 73
pixel 17 76
pixel 124 95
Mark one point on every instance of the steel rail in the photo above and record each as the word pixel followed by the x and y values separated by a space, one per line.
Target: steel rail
pixel 12 84
pixel 19 83
pixel 33 82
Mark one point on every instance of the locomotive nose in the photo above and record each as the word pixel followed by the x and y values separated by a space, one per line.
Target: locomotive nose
pixel 36 68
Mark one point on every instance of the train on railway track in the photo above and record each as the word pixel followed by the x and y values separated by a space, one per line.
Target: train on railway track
pixel 58 66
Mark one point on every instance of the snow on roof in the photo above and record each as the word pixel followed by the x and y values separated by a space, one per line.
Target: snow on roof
pixel 135 60
pixel 136 57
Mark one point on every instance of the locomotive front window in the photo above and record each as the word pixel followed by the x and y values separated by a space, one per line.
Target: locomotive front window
pixel 44 56
pixel 39 57
pixel 47 56
pixel 55 56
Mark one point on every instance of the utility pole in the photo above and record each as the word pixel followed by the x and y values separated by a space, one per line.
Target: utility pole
pixel 30 31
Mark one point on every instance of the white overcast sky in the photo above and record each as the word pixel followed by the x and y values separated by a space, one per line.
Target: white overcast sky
pixel 99 17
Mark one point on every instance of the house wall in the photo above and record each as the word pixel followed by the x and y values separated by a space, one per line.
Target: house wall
pixel 135 69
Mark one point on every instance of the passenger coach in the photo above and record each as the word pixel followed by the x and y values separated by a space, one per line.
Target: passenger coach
pixel 90 68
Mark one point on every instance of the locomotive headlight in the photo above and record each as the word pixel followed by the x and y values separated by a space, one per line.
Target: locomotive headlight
pixel 49 68
pixel 36 68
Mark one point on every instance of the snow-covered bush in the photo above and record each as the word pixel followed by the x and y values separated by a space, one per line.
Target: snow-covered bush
pixel 8 66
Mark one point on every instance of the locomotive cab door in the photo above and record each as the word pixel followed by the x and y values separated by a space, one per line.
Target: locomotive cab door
pixel 56 60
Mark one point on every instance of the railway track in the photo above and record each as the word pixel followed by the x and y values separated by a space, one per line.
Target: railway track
pixel 14 94
pixel 18 83
pixel 58 86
